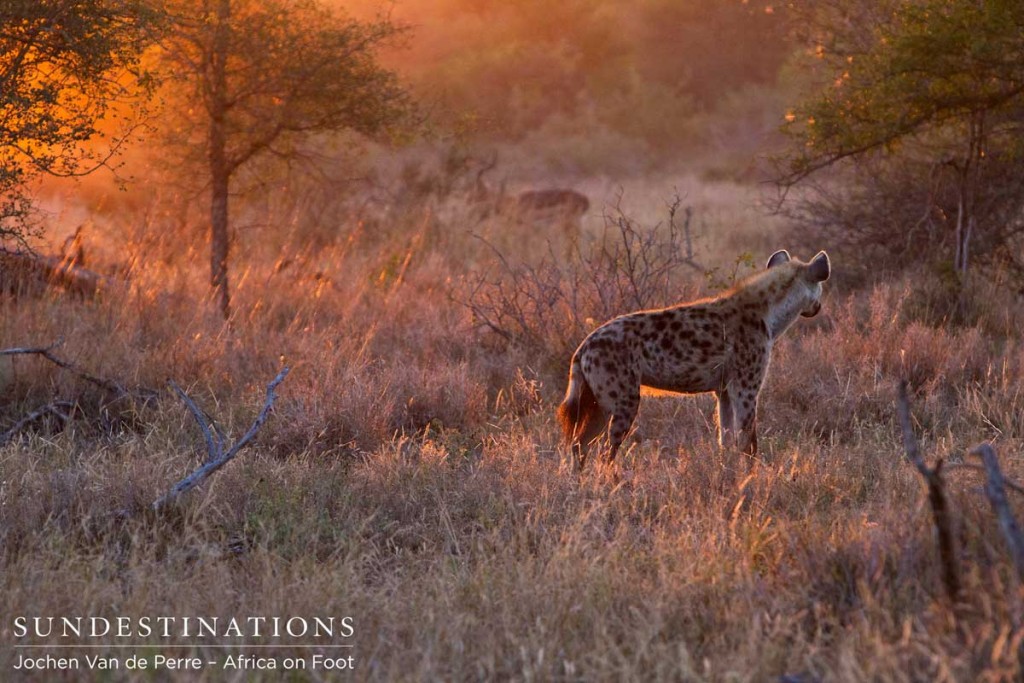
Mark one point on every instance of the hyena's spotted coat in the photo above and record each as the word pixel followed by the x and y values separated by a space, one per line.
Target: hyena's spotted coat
pixel 721 344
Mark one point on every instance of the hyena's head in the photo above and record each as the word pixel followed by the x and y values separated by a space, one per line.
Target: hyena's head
pixel 804 294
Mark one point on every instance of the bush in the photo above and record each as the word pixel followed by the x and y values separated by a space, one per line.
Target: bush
pixel 550 306
pixel 897 211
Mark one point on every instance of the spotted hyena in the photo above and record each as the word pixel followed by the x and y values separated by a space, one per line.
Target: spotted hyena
pixel 722 344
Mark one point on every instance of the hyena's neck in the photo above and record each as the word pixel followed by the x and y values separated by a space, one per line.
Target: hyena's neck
pixel 772 297
pixel 782 314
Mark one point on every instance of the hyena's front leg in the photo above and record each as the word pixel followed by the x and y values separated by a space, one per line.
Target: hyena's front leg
pixel 726 419
pixel 745 404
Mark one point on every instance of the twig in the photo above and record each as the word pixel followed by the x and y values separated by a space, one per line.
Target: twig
pixel 936 495
pixel 31 349
pixel 214 449
pixel 687 217
pixel 1013 486
pixel 212 465
pixel 994 489
pixel 47 353
pixel 261 418
pixel 910 445
pixel 53 408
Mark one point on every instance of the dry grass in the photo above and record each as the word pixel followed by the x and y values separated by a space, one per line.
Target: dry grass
pixel 410 477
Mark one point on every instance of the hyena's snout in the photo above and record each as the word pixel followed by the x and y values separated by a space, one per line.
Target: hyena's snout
pixel 812 311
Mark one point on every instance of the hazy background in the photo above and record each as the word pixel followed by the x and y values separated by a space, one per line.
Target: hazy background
pixel 411 472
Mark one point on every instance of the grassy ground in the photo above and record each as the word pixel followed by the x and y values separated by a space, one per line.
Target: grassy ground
pixel 410 475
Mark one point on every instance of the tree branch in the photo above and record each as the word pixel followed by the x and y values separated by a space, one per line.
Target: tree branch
pixel 1013 486
pixel 47 353
pixel 55 408
pixel 994 489
pixel 213 464
pixel 936 495
pixel 214 449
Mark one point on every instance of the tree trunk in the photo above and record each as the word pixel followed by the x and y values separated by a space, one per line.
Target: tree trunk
pixel 970 180
pixel 220 171
pixel 219 240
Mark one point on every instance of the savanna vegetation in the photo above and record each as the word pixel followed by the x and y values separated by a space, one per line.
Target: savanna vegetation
pixel 409 473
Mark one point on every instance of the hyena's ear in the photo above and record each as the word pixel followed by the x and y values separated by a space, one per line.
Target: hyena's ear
pixel 779 257
pixel 819 268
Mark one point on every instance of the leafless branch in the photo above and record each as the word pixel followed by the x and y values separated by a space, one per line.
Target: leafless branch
pixel 47 353
pixel 55 408
pixel 996 492
pixel 17 350
pixel 936 495
pixel 214 449
pixel 549 305
pixel 215 444
pixel 673 209
pixel 1013 486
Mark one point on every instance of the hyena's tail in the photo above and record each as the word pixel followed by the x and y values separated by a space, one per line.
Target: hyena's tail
pixel 579 414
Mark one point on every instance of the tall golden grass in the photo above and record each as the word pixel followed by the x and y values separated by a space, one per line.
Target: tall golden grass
pixel 411 476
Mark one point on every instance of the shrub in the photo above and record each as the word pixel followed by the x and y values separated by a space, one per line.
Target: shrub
pixel 548 307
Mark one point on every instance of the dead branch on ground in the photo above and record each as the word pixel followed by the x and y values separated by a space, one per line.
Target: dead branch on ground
pixel 936 495
pixel 63 409
pixel 216 456
pixel 119 390
pixel 59 409
pixel 970 467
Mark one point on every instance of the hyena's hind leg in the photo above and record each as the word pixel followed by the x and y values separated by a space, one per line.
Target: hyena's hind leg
pixel 616 388
pixel 623 409
pixel 726 419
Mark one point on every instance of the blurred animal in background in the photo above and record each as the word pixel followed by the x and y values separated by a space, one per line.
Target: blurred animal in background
pixel 545 211
pixel 28 273
pixel 558 208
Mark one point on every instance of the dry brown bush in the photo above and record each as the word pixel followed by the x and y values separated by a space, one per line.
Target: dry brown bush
pixel 548 307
